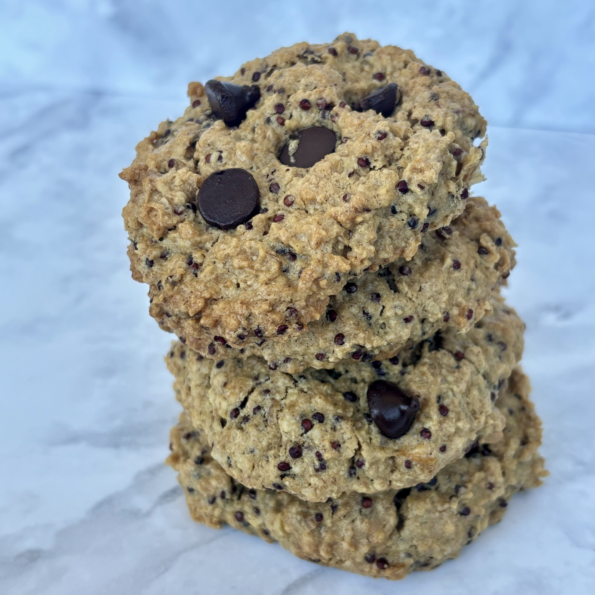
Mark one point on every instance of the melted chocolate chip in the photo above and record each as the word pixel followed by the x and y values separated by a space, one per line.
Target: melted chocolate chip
pixel 228 198
pixel 313 145
pixel 392 410
pixel 383 101
pixel 231 102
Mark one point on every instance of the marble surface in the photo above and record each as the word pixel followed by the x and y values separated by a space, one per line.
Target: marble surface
pixel 86 505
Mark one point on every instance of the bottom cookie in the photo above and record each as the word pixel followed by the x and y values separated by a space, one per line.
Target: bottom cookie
pixel 386 534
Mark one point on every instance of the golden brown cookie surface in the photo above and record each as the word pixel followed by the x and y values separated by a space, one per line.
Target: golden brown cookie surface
pixel 390 179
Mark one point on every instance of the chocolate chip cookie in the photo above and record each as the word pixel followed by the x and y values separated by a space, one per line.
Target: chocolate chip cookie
pixel 286 181
pixel 360 427
pixel 383 534
pixel 447 283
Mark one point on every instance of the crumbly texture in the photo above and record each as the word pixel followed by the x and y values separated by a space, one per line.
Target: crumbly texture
pixel 447 283
pixel 254 417
pixel 317 227
pixel 385 534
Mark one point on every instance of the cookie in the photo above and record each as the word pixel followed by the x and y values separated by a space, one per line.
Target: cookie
pixel 448 282
pixel 360 427
pixel 384 534
pixel 244 207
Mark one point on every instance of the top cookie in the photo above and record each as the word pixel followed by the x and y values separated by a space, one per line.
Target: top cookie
pixel 237 214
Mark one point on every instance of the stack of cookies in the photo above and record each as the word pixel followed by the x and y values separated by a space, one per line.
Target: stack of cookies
pixel 347 367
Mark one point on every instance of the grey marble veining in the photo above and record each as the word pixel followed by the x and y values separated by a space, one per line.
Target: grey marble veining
pixel 528 63
pixel 86 505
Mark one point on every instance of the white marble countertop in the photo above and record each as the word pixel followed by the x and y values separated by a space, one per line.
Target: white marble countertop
pixel 86 504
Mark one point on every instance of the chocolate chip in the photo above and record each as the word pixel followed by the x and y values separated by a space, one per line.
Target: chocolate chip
pixel 339 339
pixel 469 314
pixel 426 122
pixel 370 558
pixel 442 448
pixel 424 70
pixel 459 355
pixel 234 413
pixel 336 445
pixel 171 163
pixel 281 329
pixel 313 145
pixel 408 319
pixel 288 200
pixel 403 187
pixel 318 517
pixel 408 464
pixel 392 410
pixel 196 103
pixel 350 287
pixel 375 297
pixel 274 187
pixel 228 198
pixel 383 101
pixel 405 270
pixel 320 357
pixel 483 250
pixel 281 120
pixel 379 76
pixel 331 315
pixel 319 417
pixel 413 222
pixel 465 193
pixel 284 466
pixel 380 135
pixel 367 502
pixel 363 162
pixel 256 76
pixel 382 563
pixel 231 102
pixel 278 218
pixel 446 317
pixel 394 360
pixel 305 104
pixel 456 265
pixel 239 516
pixel 332 51
pixel 279 108
pixel 465 511
pixel 295 452
pixel 443 410
pixel 425 434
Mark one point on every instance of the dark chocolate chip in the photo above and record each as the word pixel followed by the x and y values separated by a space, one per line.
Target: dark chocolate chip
pixel 319 417
pixel 231 102
pixel 350 287
pixel 391 409
pixel 284 466
pixel 313 145
pixel 383 101
pixel 403 187
pixel 228 198
pixel 382 563
pixel 339 339
pixel 367 502
pixel 239 516
pixel 318 517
